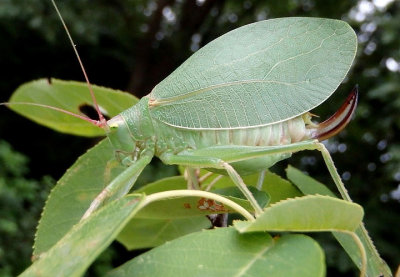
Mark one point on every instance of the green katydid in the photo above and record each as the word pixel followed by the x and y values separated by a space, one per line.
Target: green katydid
pixel 232 107
pixel 238 105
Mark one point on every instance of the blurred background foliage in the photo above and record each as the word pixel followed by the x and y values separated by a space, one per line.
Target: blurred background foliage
pixel 132 45
pixel 21 202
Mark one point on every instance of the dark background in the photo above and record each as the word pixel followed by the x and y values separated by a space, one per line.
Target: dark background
pixel 132 45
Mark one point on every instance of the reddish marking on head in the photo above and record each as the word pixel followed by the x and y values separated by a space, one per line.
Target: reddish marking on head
pixel 187 205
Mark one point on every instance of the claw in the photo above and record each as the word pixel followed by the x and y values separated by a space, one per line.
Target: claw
pixel 339 120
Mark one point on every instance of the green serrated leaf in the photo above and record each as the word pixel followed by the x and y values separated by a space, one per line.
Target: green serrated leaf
pixel 181 207
pixel 306 184
pixel 307 214
pixel 72 255
pixel 274 185
pixel 168 183
pixel 73 194
pixel 188 206
pixel 225 252
pixel 148 233
pixel 278 188
pixel 70 96
pixel 375 266
pixel 261 196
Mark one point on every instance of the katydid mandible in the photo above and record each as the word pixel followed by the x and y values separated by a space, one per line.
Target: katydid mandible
pixel 238 105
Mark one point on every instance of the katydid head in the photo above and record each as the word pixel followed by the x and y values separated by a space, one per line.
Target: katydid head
pixel 130 131
pixel 337 122
pixel 119 135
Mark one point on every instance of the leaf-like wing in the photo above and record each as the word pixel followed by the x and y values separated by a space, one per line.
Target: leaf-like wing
pixel 259 74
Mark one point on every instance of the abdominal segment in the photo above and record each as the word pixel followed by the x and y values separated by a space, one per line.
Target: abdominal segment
pixel 282 133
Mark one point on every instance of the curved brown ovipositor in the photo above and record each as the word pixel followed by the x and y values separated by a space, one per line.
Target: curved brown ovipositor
pixel 339 120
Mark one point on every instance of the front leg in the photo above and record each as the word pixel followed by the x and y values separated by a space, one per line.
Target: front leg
pixel 192 178
pixel 121 185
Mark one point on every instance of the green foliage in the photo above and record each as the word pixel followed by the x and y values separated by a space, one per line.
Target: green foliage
pixel 86 240
pixel 308 186
pixel 21 201
pixel 224 252
pixel 74 193
pixel 69 96
pixel 320 212
pixel 143 233
pixel 163 213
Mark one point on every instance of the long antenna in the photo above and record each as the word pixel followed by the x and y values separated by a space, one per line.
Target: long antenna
pixel 92 121
pixel 103 121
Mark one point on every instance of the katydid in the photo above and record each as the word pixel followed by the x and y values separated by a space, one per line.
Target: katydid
pixel 233 107
pixel 238 105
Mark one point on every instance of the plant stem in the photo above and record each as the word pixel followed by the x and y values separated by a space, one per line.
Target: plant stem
pixel 196 193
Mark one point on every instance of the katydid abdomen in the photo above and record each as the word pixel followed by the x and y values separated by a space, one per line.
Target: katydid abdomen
pixel 184 139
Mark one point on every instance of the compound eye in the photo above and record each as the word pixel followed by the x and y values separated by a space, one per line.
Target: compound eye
pixel 115 122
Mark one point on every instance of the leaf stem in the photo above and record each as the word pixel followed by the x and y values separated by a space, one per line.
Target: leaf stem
pixel 363 253
pixel 196 193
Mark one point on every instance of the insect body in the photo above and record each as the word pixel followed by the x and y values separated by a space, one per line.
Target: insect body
pixel 239 104
pixel 243 99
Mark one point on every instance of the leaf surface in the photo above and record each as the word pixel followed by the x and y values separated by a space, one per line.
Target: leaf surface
pixel 306 184
pixel 74 192
pixel 225 252
pixel 73 254
pixel 312 213
pixel 187 207
pixel 147 232
pixel 375 266
pixel 275 186
pixel 70 96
